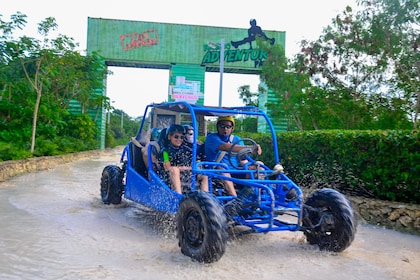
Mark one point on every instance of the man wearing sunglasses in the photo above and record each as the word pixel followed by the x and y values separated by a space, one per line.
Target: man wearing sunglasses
pixel 218 144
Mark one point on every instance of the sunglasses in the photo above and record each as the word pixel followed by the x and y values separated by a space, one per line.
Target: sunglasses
pixel 225 126
pixel 177 136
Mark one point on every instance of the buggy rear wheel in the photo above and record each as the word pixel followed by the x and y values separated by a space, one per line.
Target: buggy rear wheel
pixel 329 220
pixel 111 184
pixel 201 227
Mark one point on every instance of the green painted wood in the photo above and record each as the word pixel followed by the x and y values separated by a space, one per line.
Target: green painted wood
pixel 187 50
pixel 186 83
pixel 154 44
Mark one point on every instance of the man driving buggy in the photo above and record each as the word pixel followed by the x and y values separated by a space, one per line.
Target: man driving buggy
pixel 217 145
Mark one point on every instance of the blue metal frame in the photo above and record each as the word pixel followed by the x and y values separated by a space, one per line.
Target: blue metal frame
pixel 272 202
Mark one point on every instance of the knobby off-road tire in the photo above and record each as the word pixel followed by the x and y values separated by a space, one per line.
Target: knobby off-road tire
pixel 201 227
pixel 335 220
pixel 111 184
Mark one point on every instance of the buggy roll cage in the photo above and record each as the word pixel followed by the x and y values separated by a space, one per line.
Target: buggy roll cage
pixel 210 111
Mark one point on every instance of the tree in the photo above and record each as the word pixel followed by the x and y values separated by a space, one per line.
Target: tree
pixel 46 75
pixel 288 85
pixel 36 60
pixel 77 77
pixel 248 98
pixel 370 53
pixel 10 78
pixel 396 38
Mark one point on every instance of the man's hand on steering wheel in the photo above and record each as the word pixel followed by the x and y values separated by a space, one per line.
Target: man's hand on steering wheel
pixel 256 149
pixel 249 152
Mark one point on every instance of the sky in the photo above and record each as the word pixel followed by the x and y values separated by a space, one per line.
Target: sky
pixel 131 89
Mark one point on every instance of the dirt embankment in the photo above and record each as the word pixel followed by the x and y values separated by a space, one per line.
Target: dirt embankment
pixel 393 215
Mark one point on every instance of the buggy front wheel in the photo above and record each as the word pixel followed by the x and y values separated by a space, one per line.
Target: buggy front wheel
pixel 201 227
pixel 111 184
pixel 329 220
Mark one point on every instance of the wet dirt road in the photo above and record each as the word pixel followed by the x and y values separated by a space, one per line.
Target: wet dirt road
pixel 53 225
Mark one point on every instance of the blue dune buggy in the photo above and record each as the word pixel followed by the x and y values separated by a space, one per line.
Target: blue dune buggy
pixel 267 200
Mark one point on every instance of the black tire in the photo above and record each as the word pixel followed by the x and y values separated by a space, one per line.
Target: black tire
pixel 329 220
pixel 201 227
pixel 111 184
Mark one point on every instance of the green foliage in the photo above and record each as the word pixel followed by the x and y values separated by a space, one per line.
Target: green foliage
pixel 62 145
pixel 248 124
pixel 45 147
pixel 248 98
pixel 384 163
pixel 79 126
pixel 380 164
pixel 109 138
pixel 15 135
pixel 120 128
pixel 38 81
pixel 368 64
pixel 362 73
pixel 10 151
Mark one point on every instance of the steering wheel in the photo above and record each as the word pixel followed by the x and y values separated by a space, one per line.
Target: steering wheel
pixel 249 153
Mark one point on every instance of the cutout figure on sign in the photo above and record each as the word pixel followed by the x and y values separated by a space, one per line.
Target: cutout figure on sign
pixel 253 32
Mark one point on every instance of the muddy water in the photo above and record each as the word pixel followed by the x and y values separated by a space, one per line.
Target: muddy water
pixel 54 226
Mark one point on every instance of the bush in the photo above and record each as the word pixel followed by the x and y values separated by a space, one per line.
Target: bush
pixel 383 163
pixel 45 147
pixel 11 151
pixel 80 126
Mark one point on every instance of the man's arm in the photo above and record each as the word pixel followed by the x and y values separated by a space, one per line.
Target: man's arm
pixel 227 146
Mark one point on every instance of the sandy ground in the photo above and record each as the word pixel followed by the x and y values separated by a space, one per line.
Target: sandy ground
pixel 54 226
